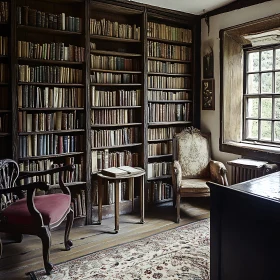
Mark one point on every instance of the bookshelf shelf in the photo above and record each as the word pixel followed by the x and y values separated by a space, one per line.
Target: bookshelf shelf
pixel 51 84
pixel 4 84
pixel 5 111
pixel 169 123
pixel 116 71
pixel 48 61
pixel 114 107
pixel 170 101
pixel 116 85
pixel 160 178
pixel 170 89
pixel 169 41
pixel 4 134
pixel 113 53
pixel 109 38
pixel 168 74
pixel 117 146
pixel 116 125
pixel 51 109
pixel 169 60
pixel 46 30
pixel 160 156
pixel 52 132
pixel 51 156
pixel 160 140
pixel 4 57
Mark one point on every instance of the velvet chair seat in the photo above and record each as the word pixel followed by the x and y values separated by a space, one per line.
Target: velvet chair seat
pixel 52 208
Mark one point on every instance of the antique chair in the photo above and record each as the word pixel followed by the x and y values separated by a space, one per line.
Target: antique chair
pixel 193 166
pixel 35 215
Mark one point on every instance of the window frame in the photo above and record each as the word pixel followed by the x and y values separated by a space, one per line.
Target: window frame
pixel 247 96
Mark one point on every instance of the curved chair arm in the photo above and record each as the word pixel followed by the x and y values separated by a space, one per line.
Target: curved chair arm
pixel 218 172
pixel 176 174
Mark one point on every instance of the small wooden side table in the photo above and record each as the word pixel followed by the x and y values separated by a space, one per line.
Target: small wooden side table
pixel 130 177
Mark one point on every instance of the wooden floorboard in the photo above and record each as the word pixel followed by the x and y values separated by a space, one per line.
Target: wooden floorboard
pixel 18 259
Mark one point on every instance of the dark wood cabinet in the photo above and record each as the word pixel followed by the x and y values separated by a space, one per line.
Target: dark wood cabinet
pixel 245 229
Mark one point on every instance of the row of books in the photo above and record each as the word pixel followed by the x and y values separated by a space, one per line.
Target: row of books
pixel 49 74
pixel 157 169
pixel 32 122
pixel 109 197
pixel 114 137
pixel 169 82
pixel 115 98
pixel 114 63
pixel 158 191
pixel 4 45
pixel 166 32
pixel 105 159
pixel 4 98
pixel 114 29
pixel 51 51
pixel 4 123
pixel 168 67
pixel 4 73
pixel 33 17
pixel 162 50
pixel 52 179
pixel 110 78
pixel 154 95
pixel 4 11
pixel 49 144
pixel 163 132
pixel 78 204
pixel 30 96
pixel 113 116
pixel 162 148
pixel 168 112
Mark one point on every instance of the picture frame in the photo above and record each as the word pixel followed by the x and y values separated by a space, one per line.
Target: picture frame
pixel 208 65
pixel 208 94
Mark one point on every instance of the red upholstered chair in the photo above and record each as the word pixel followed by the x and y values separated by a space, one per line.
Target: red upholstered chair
pixel 35 215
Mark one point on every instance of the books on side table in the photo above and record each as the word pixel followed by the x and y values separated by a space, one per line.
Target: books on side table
pixel 120 171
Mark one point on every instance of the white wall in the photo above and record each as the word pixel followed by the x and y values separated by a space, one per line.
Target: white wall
pixel 210 120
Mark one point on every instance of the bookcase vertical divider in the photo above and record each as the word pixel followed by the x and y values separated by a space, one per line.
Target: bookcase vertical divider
pixel 87 139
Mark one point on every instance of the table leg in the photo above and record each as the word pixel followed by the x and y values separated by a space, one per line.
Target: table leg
pixel 142 200
pixel 100 199
pixel 131 191
pixel 117 205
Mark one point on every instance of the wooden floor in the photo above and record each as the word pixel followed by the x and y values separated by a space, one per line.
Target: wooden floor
pixel 20 258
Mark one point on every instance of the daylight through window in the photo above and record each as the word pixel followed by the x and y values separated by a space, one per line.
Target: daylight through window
pixel 262 96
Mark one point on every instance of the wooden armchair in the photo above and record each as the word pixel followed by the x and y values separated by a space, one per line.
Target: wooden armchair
pixel 35 215
pixel 193 166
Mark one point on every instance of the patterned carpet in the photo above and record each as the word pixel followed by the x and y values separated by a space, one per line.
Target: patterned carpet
pixel 181 253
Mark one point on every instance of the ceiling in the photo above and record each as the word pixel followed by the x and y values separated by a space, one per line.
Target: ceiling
pixel 196 7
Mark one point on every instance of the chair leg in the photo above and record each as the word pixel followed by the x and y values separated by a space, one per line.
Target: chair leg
pixel 1 248
pixel 178 200
pixel 45 236
pixel 67 242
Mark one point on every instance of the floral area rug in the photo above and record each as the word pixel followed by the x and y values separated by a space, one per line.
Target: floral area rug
pixel 181 253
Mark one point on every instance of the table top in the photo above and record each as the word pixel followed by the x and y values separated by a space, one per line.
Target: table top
pixel 132 175
pixel 266 187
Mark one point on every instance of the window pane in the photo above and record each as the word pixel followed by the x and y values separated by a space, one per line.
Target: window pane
pixel 266 108
pixel 277 59
pixel 253 83
pixel 277 131
pixel 252 129
pixel 252 108
pixel 253 62
pixel 277 108
pixel 266 130
pixel 266 60
pixel 266 83
pixel 277 82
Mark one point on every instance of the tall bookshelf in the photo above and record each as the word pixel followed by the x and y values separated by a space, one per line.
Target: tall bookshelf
pixel 86 86
pixel 169 98
pixel 5 97
pixel 51 93
pixel 116 80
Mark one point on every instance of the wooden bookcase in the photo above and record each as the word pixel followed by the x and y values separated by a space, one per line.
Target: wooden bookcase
pixel 88 88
